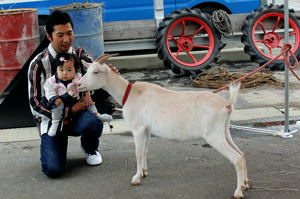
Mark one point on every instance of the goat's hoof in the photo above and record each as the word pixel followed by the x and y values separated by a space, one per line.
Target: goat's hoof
pixel 145 173
pixel 244 187
pixel 248 184
pixel 135 183
pixel 238 197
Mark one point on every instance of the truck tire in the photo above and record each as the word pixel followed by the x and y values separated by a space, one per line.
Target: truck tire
pixel 190 33
pixel 263 41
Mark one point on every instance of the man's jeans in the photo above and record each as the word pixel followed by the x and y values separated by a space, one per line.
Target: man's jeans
pixel 54 149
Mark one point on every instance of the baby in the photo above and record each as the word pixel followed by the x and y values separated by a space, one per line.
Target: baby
pixel 61 90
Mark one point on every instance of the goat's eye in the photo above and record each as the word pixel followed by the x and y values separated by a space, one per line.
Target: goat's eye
pixel 95 72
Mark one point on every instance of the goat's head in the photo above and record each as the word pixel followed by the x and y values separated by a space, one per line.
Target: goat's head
pixel 96 75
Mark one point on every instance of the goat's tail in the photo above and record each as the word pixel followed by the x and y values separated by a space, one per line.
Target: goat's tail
pixel 233 90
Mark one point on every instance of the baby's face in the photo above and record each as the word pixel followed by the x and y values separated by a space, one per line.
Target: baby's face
pixel 67 71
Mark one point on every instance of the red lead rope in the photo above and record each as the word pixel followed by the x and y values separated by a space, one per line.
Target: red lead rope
pixel 288 63
pixel 284 51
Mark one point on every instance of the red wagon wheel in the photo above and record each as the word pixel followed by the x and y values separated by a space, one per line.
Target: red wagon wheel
pixel 263 35
pixel 187 42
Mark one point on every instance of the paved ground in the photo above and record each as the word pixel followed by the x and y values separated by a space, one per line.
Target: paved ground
pixel 184 170
pixel 177 170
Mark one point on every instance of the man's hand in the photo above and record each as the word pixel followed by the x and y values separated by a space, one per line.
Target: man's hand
pixel 114 69
pixel 88 99
pixel 78 107
pixel 83 103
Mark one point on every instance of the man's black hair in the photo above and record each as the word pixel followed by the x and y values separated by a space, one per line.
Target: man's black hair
pixel 57 17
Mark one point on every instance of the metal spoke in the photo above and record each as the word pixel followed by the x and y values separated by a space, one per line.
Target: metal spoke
pixel 183 28
pixel 291 33
pixel 201 46
pixel 276 24
pixel 177 53
pixel 197 31
pixel 173 38
pixel 262 27
pixel 261 41
pixel 271 52
pixel 193 58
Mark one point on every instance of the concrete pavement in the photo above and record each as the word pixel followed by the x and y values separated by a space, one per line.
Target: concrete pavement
pixel 185 170
pixel 177 170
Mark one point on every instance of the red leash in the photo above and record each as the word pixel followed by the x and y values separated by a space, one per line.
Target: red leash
pixel 284 51
pixel 288 63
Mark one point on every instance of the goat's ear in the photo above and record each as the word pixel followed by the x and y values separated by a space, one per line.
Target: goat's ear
pixel 86 64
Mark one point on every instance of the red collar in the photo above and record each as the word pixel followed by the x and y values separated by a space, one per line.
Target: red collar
pixel 128 89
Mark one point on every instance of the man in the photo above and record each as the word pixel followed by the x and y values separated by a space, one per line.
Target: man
pixel 79 121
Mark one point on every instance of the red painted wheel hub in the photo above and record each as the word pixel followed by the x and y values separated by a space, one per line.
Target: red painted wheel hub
pixel 185 43
pixel 271 40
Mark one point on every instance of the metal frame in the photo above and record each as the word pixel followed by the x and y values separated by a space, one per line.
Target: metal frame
pixel 158 11
pixel 265 131
pixel 286 133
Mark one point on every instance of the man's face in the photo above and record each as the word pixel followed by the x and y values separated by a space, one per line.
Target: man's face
pixel 62 37
pixel 66 71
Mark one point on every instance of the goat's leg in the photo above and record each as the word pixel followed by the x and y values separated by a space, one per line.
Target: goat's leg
pixel 233 145
pixel 221 145
pixel 140 140
pixel 145 168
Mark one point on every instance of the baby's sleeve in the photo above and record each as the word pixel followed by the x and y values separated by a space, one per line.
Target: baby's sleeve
pixel 49 88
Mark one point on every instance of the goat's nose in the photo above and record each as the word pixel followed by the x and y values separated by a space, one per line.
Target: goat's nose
pixel 78 84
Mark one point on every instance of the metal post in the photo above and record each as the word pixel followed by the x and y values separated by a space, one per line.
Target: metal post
pixel 158 11
pixel 286 133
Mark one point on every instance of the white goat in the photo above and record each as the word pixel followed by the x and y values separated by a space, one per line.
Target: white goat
pixel 170 114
